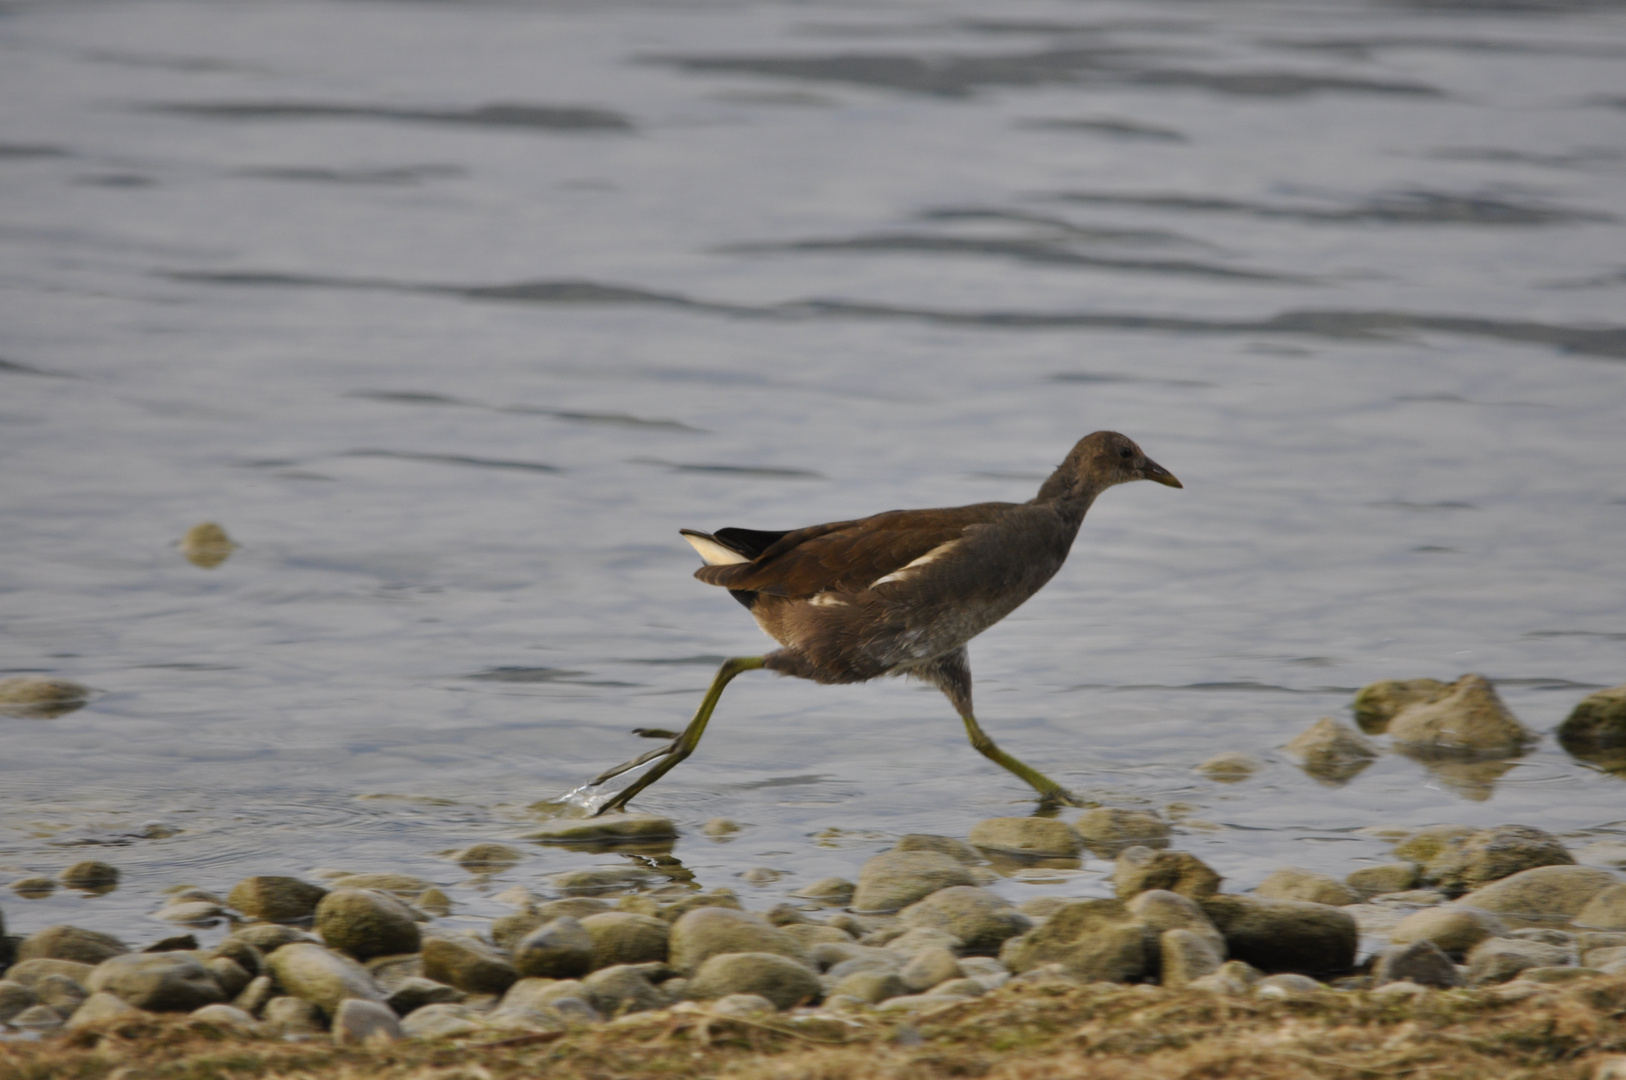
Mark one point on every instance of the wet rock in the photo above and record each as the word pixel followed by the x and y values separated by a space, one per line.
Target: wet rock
pixel 228 974
pixel 1421 962
pixel 1454 929
pixel 929 967
pixel 808 935
pixel 1330 751
pixel 830 890
pixel 601 879
pixel 1161 911
pixel 1108 831
pixel 625 988
pixel 918 938
pixel 267 938
pixel 872 987
pixel 707 932
pixel 64 942
pixel 1500 959
pixel 14 998
pixel 1467 862
pixel 1186 955
pixel 31 697
pixel 982 920
pixel 781 980
pixel 90 876
pixel 31 972
pixel 467 964
pixel 415 992
pixel 227 1016
pixel 896 879
pixel 1233 979
pixel 442 1021
pixel 177 943
pixel 275 899
pixel 60 993
pixel 1383 878
pixel 38 1018
pixel 943 845
pixel 366 924
pixel 206 545
pixel 675 910
pixel 1468 718
pixel 1597 723
pixel 958 988
pixel 1230 767
pixel 433 902
pixel 563 949
pixel 741 1005
pixel 1093 940
pixel 1140 868
pixel 1425 845
pixel 1291 883
pixel 545 997
pixel 827 957
pixel 321 976
pixel 487 858
pixel 620 937
pixel 189 913
pixel 156 982
pixel 1287 985
pixel 1606 910
pixel 1285 935
pixel 98 1009
pixel 33 888
pixel 1545 891
pixel 400 885
pixel 294 1016
pixel 608 829
pixel 256 994
pixel 1377 703
pixel 507 931
pixel 365 1023
pixel 1030 836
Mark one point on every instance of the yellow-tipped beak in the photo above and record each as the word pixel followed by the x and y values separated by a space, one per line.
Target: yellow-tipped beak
pixel 1153 471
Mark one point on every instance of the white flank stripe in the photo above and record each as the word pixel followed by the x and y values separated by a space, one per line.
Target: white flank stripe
pixel 714 553
pixel 903 572
pixel 825 599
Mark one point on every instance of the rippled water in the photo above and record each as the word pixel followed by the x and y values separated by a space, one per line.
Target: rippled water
pixel 452 315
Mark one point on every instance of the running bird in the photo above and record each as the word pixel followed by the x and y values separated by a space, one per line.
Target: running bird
pixel 900 593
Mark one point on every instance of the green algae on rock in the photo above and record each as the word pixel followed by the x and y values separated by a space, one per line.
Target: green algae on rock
pixel 1377 703
pixel 1597 723
pixel 609 829
pixel 32 697
pixel 1468 718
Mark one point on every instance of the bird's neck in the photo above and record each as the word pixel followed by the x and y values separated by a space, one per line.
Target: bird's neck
pixel 1071 504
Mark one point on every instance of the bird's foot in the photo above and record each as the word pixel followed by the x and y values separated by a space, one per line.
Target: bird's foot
pixel 1049 800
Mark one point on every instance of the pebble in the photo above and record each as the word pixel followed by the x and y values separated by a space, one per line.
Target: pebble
pixel 871 986
pixel 227 1016
pixel 560 949
pixel 1140 868
pixel 64 942
pixel 1287 985
pixel 364 1023
pixel 943 845
pixel 96 1009
pixel 1597 723
pixel 830 890
pixel 443 1021
pixel 206 545
pixel 468 964
pixel 1606 910
pixel 601 879
pixel 624 988
pixel 33 888
pixel 621 937
pixel 1421 963
pixel 1468 717
pixel 228 974
pixel 1285 935
pixel 1230 767
pixel 275 899
pixel 1186 955
pixel 1291 883
pixel 487 858
pixel 1500 959
pixel 365 924
pixel 783 981
pixel 157 982
pixel 929 967
pixel 259 990
pixel 1384 878
pixel 1377 703
pixel 1455 929
pixel 1030 836
pixel 31 972
pixel 433 902
pixel 719 828
pixel 711 931
pixel 608 829
pixel 31 697
pixel 1108 831
pixel 294 1016
pixel 1092 940
pixel 896 879
pixel 981 919
pixel 321 976
pixel 1330 751
pixel 1545 891
pixel 91 876
pixel 14 998
pixel 1467 862
pixel 1161 911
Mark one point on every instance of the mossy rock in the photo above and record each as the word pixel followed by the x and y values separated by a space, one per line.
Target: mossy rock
pixel 1597 723
pixel 1377 703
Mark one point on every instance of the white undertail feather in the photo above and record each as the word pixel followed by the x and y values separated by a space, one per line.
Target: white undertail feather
pixel 714 553
pixel 904 571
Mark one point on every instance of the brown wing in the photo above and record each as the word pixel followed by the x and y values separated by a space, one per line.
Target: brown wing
pixel 848 556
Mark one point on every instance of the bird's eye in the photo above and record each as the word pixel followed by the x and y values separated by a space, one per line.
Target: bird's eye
pixel 1126 453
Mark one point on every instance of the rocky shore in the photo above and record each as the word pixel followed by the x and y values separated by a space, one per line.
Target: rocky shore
pixel 1499 917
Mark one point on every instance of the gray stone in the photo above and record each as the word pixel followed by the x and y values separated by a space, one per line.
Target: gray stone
pixel 1286 985
pixel 543 996
pixel 432 902
pixel 1546 891
pixel 929 967
pixel 32 888
pixel 1454 928
pixel 402 886
pixel 620 937
pixel 413 993
pixel 1233 979
pixel 507 931
pixel 487 858
pixel 917 939
pixel 467 964
pixel 444 1021
pixel 1421 962
pixel 14 998
pixel 1467 862
pixel 70 943
pixel 741 1005
pixel 625 988
pixel 808 935
pixel 240 953
pixel 1186 955
pixel 1500 959
pixel 228 1017
pixel 321 976
pixel 60 993
pixel 1139 869
pixel 389 972
pixel 99 1009
pixel 1425 845
pixel 39 1018
pixel 191 913
pixel 1468 717
pixel 1597 723
pixel 1107 831
pixel 563 949
pixel 91 875
pixel 1330 751
pixel 1383 878
pixel 1606 910
pixel 157 982
pixel 260 990
pixel 869 986
pixel 780 979
pixel 294 1016
pixel 275 899
pixel 1161 911
pixel 1029 836
pixel 365 924
pixel 982 920
pixel 1377 703
pixel 267 938
pixel 1291 883
pixel 1285 935
pixel 228 974
pixel 896 879
pixel 608 829
pixel 958 850
pixel 706 932
pixel 30 972
pixel 830 890
pixel 31 697
pixel 1093 940
pixel 1230 767
pixel 364 1023
pixel 601 879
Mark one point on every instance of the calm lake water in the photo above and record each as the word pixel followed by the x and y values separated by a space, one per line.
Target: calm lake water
pixel 454 313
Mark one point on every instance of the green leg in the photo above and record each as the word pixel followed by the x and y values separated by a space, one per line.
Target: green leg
pixel 684 744
pixel 1049 791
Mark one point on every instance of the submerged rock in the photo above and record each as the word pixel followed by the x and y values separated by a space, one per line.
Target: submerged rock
pixel 275 898
pixel 1454 928
pixel 608 829
pixel 1107 831
pixel 1467 862
pixel 1469 718
pixel 896 879
pixel 1030 836
pixel 1377 703
pixel 601 879
pixel 1330 751
pixel 1597 723
pixel 31 697
pixel 943 845
pixel 207 545
pixel 403 886
pixel 1140 868
pixel 1543 892
pixel 91 876
pixel 1230 767
pixel 1291 883
pixel 487 858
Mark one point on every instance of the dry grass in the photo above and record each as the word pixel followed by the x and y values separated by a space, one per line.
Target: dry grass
pixel 1033 1032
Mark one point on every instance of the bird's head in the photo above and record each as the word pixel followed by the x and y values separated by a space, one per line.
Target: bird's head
pixel 1100 460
